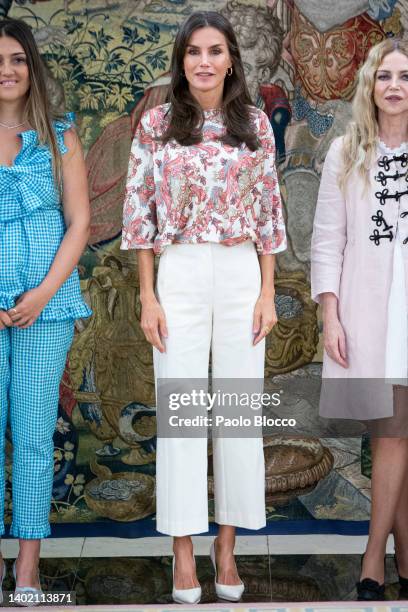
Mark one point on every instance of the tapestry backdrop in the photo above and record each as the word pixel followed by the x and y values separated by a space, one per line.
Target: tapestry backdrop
pixel 108 61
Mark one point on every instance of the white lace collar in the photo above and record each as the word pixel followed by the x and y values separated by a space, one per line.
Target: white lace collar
pixel 390 151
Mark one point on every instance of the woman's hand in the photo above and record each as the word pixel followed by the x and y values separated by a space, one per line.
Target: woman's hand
pixel 264 317
pixel 335 340
pixel 153 323
pixel 333 333
pixel 28 308
pixel 5 319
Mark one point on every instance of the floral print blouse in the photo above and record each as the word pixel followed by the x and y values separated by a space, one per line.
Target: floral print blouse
pixel 207 192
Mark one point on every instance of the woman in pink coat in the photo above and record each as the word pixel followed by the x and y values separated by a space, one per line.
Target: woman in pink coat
pixel 360 277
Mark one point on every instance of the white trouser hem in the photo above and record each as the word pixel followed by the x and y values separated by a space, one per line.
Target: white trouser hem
pixel 237 519
pixel 182 528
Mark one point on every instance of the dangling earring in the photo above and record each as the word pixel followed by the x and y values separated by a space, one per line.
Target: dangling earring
pixel 228 71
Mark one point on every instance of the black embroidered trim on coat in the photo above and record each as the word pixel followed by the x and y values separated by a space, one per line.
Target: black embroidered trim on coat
pixel 385 161
pixel 380 220
pixel 382 178
pixel 385 195
pixel 376 236
pixel 384 231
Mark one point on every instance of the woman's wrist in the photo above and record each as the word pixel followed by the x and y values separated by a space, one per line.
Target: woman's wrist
pixel 47 289
pixel 147 296
pixel 268 293
pixel 329 306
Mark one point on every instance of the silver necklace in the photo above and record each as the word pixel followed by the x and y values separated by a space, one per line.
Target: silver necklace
pixel 11 127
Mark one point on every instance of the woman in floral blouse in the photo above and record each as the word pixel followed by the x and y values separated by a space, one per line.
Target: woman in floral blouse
pixel 202 192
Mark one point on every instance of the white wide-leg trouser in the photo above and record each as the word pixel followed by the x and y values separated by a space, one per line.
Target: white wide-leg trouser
pixel 208 293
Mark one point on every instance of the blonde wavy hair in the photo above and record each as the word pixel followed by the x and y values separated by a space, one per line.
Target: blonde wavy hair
pixel 361 138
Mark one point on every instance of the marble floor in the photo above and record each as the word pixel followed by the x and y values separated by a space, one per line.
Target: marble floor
pixel 114 571
pixel 162 546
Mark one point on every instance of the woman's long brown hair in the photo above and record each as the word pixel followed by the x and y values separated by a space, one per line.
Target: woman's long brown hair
pixel 185 115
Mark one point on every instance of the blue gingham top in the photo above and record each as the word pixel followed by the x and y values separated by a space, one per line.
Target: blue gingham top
pixel 32 227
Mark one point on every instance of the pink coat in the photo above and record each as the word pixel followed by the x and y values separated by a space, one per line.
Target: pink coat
pixel 353 243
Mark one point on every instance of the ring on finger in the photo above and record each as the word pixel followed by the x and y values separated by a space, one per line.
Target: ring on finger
pixel 266 329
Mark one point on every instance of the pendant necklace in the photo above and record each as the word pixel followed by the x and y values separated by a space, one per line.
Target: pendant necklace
pixel 11 127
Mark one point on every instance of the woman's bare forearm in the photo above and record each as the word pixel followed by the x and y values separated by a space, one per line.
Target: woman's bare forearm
pixel 77 216
pixel 66 258
pixel 267 265
pixel 145 261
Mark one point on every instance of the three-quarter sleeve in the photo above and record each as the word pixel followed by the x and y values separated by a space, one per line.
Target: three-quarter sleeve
pixel 329 228
pixel 139 209
pixel 271 226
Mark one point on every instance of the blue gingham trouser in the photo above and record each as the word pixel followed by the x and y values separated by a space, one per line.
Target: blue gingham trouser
pixel 32 362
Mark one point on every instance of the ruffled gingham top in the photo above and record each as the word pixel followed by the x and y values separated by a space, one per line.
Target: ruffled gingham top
pixel 32 228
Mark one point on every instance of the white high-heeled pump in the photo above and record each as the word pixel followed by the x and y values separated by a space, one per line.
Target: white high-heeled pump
pixel 34 595
pixel 229 592
pixel 185 596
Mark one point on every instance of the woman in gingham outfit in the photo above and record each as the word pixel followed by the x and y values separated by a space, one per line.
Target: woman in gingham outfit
pixel 44 226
